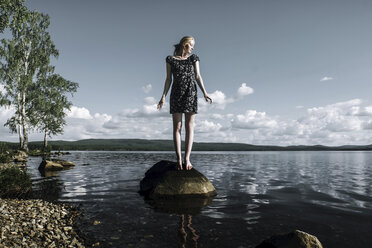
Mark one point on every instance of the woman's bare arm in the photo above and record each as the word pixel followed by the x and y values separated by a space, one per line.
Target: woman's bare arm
pixel 167 84
pixel 200 82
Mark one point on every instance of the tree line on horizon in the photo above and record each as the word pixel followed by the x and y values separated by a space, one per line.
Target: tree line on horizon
pixel 167 145
pixel 29 83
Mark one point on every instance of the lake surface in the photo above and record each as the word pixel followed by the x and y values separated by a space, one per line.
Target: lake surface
pixel 327 194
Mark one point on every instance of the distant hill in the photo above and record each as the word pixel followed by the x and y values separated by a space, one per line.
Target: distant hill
pixel 167 145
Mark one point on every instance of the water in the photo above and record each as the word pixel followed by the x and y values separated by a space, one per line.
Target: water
pixel 327 194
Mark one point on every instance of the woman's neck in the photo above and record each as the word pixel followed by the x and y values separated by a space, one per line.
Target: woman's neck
pixel 183 55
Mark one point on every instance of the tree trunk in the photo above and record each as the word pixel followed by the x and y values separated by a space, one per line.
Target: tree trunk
pixel 23 99
pixel 19 123
pixel 25 134
pixel 45 141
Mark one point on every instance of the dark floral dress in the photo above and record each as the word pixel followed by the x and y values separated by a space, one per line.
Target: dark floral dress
pixel 183 97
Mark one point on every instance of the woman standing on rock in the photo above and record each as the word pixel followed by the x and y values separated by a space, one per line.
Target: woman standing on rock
pixel 184 67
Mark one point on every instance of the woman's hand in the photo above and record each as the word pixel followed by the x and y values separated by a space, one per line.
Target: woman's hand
pixel 161 102
pixel 207 98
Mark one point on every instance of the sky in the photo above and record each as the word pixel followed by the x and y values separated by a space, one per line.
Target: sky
pixel 280 72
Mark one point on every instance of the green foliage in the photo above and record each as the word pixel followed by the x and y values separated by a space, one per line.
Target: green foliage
pixel 14 182
pixel 5 158
pixel 50 102
pixel 3 147
pixel 8 12
pixel 5 155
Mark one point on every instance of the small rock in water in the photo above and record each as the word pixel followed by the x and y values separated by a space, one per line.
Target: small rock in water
pixel 295 239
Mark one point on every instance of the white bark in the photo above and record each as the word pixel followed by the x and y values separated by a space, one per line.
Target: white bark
pixel 45 140
pixel 19 122
pixel 23 104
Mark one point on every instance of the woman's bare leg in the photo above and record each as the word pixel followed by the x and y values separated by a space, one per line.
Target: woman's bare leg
pixel 189 126
pixel 177 127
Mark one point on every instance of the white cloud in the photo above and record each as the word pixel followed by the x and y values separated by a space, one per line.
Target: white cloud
pixel 217 116
pixel 367 125
pixel 79 113
pixel 206 126
pixel 359 111
pixel 6 113
pixel 149 100
pixel 347 122
pixel 343 108
pixel 337 117
pixel 146 89
pixel 220 100
pixel 243 91
pixel 299 107
pixel 253 120
pixel 368 110
pixel 326 79
pixel 148 110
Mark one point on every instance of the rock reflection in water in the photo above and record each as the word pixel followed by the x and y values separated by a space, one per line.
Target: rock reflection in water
pixel 192 205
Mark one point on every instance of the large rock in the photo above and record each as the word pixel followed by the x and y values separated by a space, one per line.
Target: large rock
pixel 48 165
pixel 164 181
pixel 55 165
pixel 20 157
pixel 295 239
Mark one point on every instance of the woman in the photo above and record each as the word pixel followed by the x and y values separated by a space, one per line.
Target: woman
pixel 184 67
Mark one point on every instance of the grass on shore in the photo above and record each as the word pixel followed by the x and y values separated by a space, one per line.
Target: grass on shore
pixel 14 183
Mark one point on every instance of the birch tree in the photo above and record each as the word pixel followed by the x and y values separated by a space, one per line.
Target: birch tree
pixel 50 103
pixel 23 56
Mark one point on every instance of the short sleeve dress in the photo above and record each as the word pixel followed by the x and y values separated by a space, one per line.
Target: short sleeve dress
pixel 183 97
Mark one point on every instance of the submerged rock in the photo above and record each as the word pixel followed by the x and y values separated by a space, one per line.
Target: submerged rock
pixel 164 181
pixel 295 239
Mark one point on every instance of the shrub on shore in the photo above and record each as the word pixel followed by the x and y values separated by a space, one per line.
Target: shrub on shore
pixel 5 154
pixel 5 158
pixel 14 183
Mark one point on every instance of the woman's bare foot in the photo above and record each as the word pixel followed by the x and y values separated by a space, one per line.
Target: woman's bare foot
pixel 188 165
pixel 179 165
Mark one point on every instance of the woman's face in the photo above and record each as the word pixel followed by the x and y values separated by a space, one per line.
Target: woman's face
pixel 189 46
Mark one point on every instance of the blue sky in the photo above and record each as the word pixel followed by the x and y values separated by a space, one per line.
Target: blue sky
pixel 281 72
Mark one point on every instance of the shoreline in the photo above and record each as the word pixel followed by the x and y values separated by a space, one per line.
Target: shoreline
pixel 35 222
pixel 39 223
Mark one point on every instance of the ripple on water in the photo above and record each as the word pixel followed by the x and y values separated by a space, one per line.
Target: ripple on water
pixel 257 193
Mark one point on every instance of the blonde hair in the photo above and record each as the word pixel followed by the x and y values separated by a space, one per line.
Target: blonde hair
pixel 178 47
